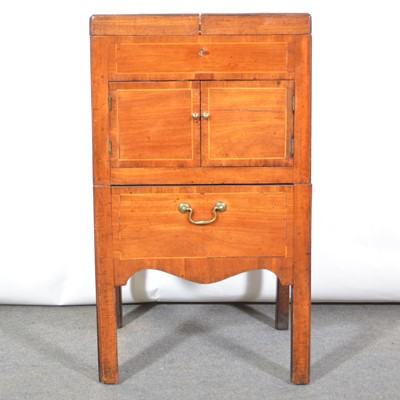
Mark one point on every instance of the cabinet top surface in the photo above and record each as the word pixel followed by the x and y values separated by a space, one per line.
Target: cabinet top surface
pixel 200 24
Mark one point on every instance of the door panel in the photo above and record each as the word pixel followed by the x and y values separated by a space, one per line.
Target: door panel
pixel 151 124
pixel 249 123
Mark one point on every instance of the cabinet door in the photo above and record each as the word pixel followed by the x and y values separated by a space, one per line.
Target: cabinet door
pixel 247 123
pixel 151 124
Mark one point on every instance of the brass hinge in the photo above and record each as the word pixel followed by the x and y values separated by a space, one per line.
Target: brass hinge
pixel 110 147
pixel 292 145
pixel 293 103
pixel 109 102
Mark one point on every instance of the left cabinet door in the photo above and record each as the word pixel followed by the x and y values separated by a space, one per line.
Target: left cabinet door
pixel 154 124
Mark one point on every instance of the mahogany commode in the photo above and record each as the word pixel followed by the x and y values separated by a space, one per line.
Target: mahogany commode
pixel 201 157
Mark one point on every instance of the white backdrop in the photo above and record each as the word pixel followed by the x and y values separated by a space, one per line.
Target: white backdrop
pixel 46 223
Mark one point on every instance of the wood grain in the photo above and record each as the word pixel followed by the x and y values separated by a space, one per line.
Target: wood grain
pixel 147 223
pixel 144 25
pixel 302 122
pixel 105 290
pixel 250 123
pixel 100 132
pixel 206 24
pixel 150 232
pixel 282 306
pixel 118 306
pixel 151 124
pixel 198 57
pixel 199 176
pixel 301 290
pixel 205 270
pixel 255 24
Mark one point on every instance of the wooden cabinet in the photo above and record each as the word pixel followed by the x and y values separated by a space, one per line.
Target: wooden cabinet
pixel 201 155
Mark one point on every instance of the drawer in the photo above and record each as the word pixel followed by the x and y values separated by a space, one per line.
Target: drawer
pixel 147 222
pixel 201 57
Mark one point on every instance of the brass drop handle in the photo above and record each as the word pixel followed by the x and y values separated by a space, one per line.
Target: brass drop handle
pixel 185 208
pixel 196 116
pixel 205 115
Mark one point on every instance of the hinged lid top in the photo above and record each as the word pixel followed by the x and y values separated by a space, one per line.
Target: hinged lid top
pixel 255 24
pixel 197 24
pixel 145 25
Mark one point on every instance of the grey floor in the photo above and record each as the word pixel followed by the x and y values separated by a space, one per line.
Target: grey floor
pixel 199 351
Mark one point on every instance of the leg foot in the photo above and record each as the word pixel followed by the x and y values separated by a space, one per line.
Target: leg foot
pixel 301 289
pixel 301 313
pixel 107 335
pixel 118 306
pixel 282 306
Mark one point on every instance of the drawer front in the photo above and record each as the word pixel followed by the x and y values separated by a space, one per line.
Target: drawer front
pixel 257 222
pixel 201 58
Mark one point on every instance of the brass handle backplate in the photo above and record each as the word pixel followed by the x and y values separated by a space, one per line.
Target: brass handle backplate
pixel 185 208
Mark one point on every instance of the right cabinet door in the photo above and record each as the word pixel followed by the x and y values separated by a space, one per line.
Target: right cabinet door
pixel 247 123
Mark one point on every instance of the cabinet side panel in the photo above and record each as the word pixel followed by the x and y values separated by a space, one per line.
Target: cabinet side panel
pixel 302 116
pixel 99 71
